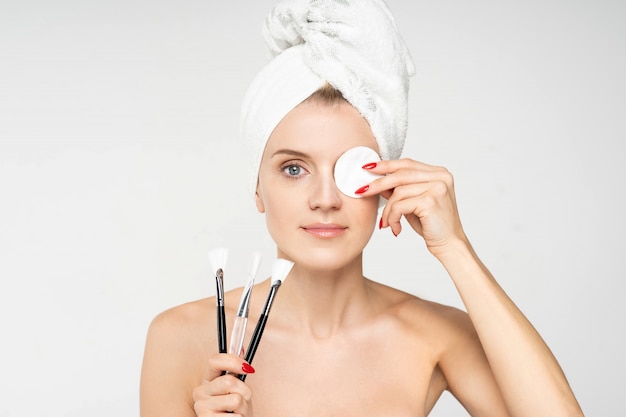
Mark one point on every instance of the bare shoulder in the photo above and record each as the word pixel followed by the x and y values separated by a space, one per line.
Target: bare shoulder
pixel 187 313
pixel 182 323
pixel 180 331
pixel 185 334
pixel 447 331
pixel 436 341
pixel 453 346
pixel 190 325
pixel 428 318
pixel 176 350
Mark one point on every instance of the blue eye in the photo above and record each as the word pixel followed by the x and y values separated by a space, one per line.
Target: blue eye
pixel 293 170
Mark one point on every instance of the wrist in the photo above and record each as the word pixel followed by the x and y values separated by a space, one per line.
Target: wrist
pixel 453 251
pixel 463 265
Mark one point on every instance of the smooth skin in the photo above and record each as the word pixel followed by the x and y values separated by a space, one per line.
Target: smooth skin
pixel 338 343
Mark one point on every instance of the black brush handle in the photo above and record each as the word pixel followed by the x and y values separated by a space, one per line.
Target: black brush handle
pixel 254 341
pixel 221 329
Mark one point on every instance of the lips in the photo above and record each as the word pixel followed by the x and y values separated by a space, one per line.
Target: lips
pixel 325 230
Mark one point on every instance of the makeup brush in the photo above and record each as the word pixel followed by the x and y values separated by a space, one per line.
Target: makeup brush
pixel 241 320
pixel 280 270
pixel 217 261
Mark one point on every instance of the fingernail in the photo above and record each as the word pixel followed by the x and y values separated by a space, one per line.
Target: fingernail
pixel 362 189
pixel 394 233
pixel 371 165
pixel 380 223
pixel 247 368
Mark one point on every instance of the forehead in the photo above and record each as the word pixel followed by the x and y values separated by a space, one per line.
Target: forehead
pixel 322 129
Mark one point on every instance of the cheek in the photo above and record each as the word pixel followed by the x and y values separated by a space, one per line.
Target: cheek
pixel 281 225
pixel 280 210
pixel 365 212
pixel 371 211
pixel 370 223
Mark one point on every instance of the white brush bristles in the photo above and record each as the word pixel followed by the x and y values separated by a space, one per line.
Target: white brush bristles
pixel 217 259
pixel 280 270
pixel 256 261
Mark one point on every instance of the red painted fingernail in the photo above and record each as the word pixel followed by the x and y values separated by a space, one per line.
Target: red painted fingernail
pixel 371 165
pixel 247 368
pixel 362 189
pixel 380 223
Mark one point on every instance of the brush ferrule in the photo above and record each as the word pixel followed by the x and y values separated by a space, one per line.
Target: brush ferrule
pixel 244 305
pixel 270 297
pixel 219 279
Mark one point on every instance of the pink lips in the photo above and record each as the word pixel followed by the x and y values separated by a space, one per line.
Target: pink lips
pixel 325 230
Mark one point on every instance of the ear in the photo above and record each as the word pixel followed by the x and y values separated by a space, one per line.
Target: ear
pixel 259 201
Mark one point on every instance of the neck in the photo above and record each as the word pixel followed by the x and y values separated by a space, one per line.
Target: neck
pixel 323 301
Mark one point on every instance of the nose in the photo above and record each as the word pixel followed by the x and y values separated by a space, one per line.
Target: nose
pixel 324 193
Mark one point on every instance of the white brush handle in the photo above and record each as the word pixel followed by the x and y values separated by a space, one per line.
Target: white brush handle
pixel 237 336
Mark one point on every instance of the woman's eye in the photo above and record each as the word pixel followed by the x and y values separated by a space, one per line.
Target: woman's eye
pixel 293 170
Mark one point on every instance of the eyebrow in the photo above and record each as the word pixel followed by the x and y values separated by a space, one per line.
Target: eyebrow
pixel 291 152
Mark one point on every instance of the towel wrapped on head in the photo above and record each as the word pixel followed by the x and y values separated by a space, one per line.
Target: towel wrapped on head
pixel 354 45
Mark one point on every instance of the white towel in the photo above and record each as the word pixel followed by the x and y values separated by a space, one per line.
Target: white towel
pixel 352 44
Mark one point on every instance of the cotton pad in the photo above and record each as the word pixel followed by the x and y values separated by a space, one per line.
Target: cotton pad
pixel 349 172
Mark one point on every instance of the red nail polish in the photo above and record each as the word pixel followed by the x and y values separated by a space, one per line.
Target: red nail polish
pixel 362 189
pixel 371 165
pixel 247 368
pixel 380 223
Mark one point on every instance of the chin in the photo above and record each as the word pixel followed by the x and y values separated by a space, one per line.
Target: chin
pixel 323 259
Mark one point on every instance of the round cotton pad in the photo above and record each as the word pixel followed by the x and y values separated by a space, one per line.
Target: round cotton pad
pixel 349 172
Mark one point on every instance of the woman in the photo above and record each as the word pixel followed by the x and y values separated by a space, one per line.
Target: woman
pixel 338 343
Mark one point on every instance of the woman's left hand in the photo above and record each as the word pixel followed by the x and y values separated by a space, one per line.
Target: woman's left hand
pixel 424 195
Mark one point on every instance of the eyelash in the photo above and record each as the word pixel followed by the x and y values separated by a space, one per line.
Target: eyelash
pixel 286 166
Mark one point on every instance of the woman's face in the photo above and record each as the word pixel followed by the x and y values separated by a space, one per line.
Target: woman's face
pixel 311 221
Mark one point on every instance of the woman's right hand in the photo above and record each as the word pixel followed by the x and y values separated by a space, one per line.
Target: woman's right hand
pixel 219 394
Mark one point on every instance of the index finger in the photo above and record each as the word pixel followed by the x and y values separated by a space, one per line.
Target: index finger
pixel 399 172
pixel 225 362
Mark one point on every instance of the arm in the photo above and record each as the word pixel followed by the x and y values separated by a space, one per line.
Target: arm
pixel 465 367
pixel 529 377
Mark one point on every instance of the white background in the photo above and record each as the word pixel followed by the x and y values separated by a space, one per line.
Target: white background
pixel 120 169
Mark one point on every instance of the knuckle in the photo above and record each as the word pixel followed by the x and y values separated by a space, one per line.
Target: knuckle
pixel 234 402
pixel 440 188
pixel 214 362
pixel 230 383
pixel 195 395
pixel 198 393
pixel 200 409
pixel 238 401
pixel 394 216
pixel 446 175
pixel 450 179
pixel 428 201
